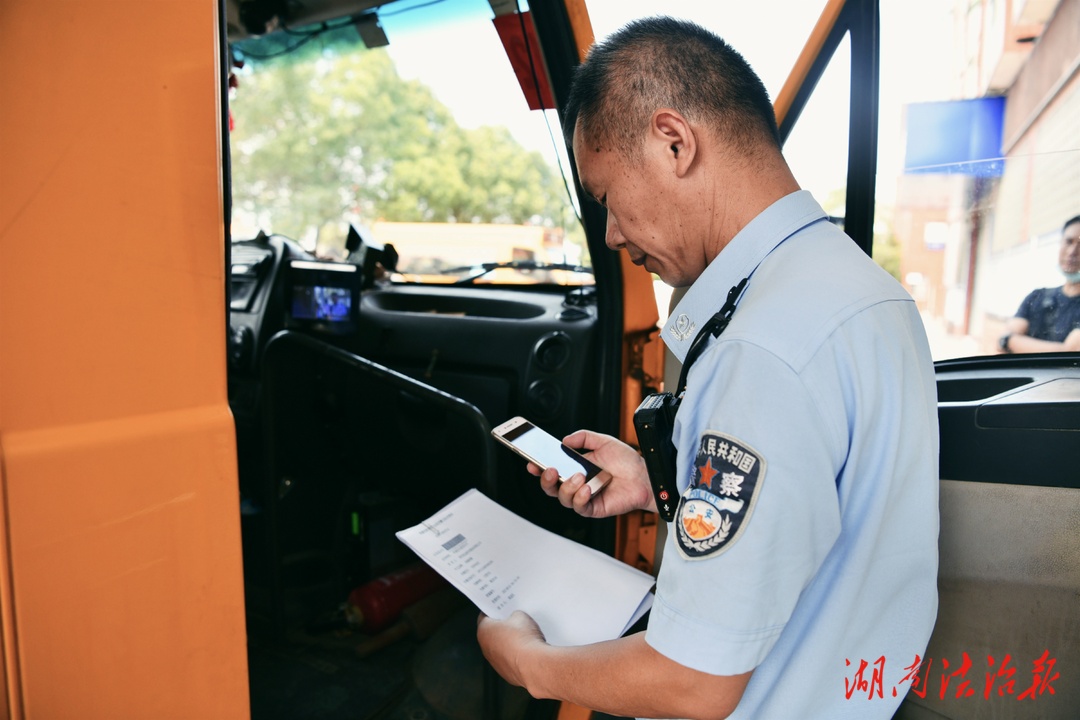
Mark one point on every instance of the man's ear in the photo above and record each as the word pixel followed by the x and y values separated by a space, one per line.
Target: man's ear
pixel 675 137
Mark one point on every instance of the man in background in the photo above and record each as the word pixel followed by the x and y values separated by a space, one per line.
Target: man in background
pixel 1049 318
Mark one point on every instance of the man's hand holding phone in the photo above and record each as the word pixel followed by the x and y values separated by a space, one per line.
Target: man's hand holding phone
pixel 577 468
pixel 626 483
pixel 543 451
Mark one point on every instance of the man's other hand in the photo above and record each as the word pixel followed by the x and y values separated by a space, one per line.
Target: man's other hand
pixel 504 643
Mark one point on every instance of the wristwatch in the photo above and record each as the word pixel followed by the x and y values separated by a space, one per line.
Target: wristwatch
pixel 1003 343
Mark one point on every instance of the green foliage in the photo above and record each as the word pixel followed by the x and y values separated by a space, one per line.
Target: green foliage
pixel 323 135
pixel 886 250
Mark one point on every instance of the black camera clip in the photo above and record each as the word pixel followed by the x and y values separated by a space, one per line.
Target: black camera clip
pixel 654 419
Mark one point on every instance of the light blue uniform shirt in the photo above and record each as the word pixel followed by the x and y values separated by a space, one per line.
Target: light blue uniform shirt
pixel 817 408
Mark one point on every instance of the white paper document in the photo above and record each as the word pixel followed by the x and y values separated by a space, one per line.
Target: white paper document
pixel 503 563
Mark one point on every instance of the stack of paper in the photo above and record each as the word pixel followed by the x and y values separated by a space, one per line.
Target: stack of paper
pixel 503 563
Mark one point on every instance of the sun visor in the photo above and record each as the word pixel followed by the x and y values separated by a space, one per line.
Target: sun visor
pixel 518 35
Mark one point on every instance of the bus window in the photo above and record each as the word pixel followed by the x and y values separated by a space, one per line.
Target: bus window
pixel 991 165
pixel 817 149
pixel 978 164
pixel 424 140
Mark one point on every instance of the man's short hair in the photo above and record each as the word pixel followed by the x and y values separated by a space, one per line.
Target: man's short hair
pixel 1069 222
pixel 665 62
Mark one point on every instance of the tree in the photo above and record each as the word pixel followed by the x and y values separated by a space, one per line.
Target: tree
pixel 324 134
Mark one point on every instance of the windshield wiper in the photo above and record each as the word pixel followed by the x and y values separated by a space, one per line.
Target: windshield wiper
pixel 486 268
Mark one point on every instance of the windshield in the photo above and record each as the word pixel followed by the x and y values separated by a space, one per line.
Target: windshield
pixel 415 130
pixel 978 163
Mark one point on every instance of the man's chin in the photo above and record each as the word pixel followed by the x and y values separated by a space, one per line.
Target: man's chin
pixel 674 281
pixel 666 277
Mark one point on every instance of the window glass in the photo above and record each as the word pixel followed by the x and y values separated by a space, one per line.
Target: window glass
pixel 426 142
pixel 990 165
pixel 817 148
pixel 770 46
pixel 978 153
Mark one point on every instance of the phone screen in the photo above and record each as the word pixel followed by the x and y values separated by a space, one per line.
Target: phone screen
pixel 547 451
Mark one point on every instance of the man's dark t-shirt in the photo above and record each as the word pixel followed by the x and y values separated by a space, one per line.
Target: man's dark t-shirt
pixel 1051 314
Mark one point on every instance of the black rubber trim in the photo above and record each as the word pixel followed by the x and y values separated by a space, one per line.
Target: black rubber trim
pixel 1010 419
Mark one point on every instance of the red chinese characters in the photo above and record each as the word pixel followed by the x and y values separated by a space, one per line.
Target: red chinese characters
pixel 1041 677
pixel 860 682
pixel 1000 675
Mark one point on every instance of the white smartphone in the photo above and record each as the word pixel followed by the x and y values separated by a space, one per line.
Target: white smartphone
pixel 543 449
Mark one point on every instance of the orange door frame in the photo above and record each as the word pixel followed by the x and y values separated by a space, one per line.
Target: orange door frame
pixel 121 582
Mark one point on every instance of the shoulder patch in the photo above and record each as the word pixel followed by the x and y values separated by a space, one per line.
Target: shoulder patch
pixel 716 506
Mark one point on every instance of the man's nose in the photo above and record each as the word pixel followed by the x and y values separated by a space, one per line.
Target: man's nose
pixel 613 238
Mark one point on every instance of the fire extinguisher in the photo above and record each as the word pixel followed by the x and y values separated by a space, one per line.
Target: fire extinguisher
pixel 375 604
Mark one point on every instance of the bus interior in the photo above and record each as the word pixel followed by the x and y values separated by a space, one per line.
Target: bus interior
pixel 323 247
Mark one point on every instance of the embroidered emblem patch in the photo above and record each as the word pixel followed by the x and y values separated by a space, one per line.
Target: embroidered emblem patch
pixel 717 504
pixel 683 328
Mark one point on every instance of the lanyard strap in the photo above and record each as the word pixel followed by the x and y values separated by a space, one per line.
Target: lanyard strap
pixel 715 325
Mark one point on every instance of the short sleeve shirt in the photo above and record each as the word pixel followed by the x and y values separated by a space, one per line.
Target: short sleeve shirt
pixel 1051 314
pixel 806 536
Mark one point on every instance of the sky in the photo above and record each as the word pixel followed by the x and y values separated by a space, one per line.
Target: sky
pixel 916 45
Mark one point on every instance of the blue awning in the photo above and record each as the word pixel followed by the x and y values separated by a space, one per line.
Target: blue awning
pixel 955 137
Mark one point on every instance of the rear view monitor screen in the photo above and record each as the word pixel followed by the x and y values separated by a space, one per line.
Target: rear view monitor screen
pixel 316 302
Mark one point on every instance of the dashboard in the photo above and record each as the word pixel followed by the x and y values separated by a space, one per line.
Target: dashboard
pixel 508 351
pixel 504 350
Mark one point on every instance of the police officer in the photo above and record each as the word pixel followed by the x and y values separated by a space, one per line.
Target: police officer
pixel 799 579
